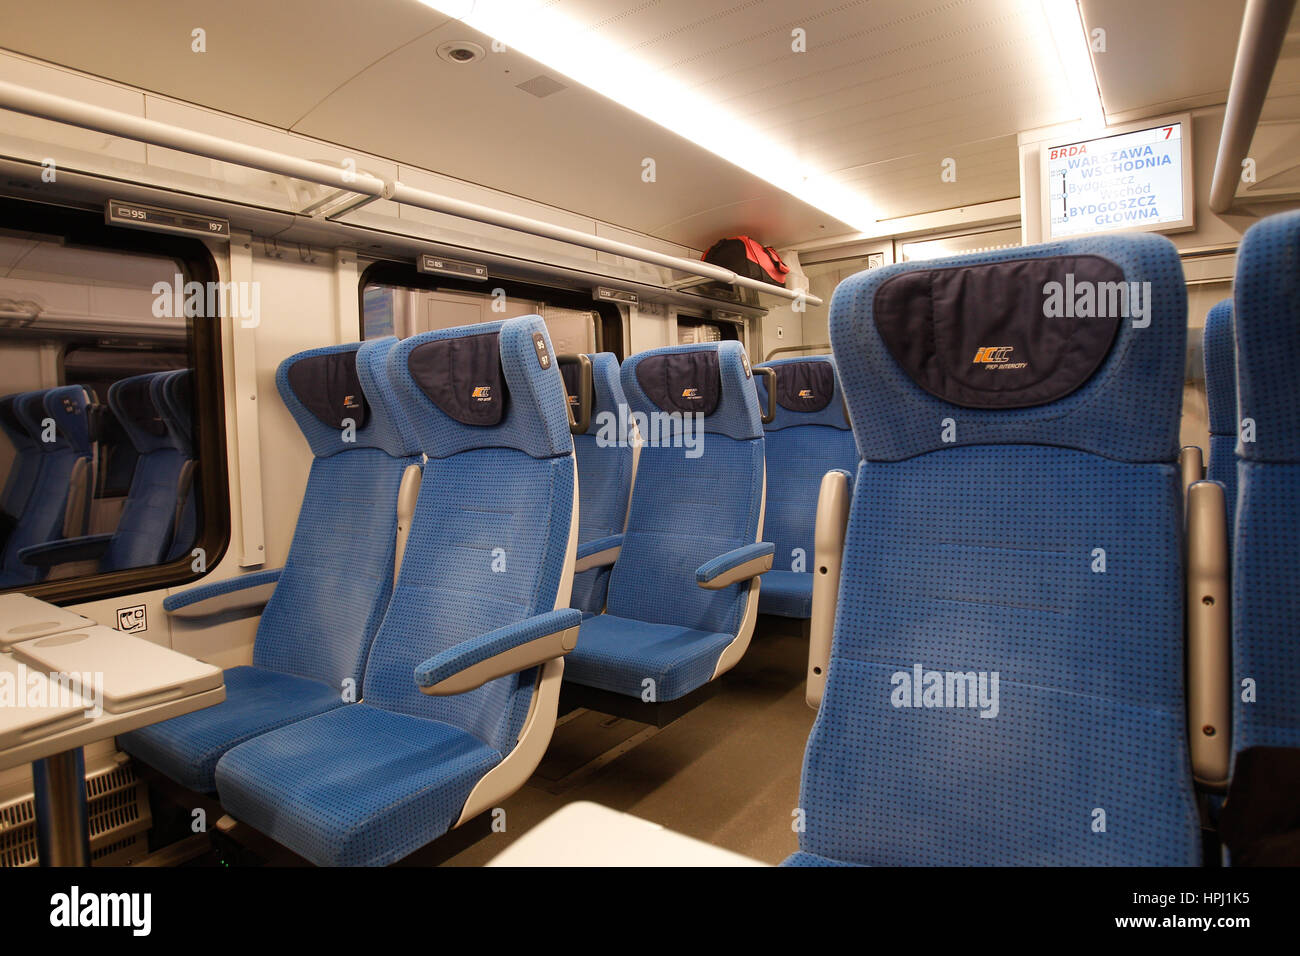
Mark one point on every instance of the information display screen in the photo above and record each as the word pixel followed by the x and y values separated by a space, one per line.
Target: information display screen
pixel 1137 179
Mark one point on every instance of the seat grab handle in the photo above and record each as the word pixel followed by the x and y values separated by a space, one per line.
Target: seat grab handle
pixel 1209 636
pixel 579 423
pixel 768 414
pixel 1191 466
pixel 833 501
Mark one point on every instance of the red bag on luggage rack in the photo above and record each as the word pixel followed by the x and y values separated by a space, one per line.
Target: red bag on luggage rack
pixel 747 257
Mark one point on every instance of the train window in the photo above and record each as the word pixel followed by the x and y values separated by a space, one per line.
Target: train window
pixel 691 331
pixel 935 248
pixel 112 457
pixel 398 300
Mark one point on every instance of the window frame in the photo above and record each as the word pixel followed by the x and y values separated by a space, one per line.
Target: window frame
pixel 203 336
pixel 609 331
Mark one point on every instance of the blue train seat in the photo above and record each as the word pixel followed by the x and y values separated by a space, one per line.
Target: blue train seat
pixel 683 592
pixel 606 461
pixel 147 522
pixel 808 437
pixel 462 682
pixel 327 601
pixel 1005 683
pixel 1221 401
pixel 64 482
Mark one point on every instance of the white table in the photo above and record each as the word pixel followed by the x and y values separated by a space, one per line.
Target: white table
pixel 79 685
pixel 588 834
pixel 24 618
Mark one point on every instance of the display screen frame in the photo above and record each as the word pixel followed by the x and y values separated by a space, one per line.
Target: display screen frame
pixel 1185 223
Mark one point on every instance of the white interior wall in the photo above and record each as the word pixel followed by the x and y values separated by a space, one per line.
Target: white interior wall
pixel 21 371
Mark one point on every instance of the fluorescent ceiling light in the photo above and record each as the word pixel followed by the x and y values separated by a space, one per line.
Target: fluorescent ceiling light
pixel 1065 22
pixel 538 30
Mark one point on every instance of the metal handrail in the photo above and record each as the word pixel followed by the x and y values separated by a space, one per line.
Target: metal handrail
pixel 60 109
pixel 816 346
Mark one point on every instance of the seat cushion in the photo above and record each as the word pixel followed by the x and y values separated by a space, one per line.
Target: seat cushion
pixel 358 786
pixel 618 654
pixel 804 858
pixel 786 594
pixel 187 748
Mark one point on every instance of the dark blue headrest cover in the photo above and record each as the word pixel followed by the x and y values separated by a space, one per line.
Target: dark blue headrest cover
pixel 1127 409
pixel 135 404
pixel 333 373
pixel 491 386
pixel 68 407
pixel 808 393
pixel 717 372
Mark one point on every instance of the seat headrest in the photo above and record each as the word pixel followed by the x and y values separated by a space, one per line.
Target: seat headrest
pixel 1078 344
pixel 134 401
pixel 807 393
pixel 1266 312
pixel 69 406
pixel 29 407
pixel 1220 369
pixel 324 388
pixel 14 427
pixel 174 394
pixel 713 379
pixel 495 385
pixel 607 390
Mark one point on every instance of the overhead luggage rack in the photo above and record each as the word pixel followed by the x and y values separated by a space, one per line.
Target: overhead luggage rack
pixel 365 186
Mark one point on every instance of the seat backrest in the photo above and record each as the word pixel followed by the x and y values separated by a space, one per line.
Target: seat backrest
pixel 1266 550
pixel 26 462
pixel 144 529
pixel 338 576
pixel 494 522
pixel 59 505
pixel 699 484
pixel 605 466
pixel 807 437
pixel 1221 403
pixel 1006 675
pixel 174 394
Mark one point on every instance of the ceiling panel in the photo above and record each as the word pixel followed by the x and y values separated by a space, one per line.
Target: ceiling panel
pixel 914 184
pixel 268 61
pixel 1163 55
pixel 573 148
pixel 1283 102
pixel 879 80
pixel 885 91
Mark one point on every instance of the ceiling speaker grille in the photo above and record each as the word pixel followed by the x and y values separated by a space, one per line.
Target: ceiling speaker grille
pixel 541 86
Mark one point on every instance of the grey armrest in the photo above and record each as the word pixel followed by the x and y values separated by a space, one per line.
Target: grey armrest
pixel 242 593
pixel 507 650
pixel 598 553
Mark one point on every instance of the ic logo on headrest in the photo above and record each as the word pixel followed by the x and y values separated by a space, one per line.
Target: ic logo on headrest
pixel 805 393
pixel 482 393
pixel 691 393
pixel 993 355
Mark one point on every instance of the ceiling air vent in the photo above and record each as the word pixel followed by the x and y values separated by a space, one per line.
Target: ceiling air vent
pixel 541 86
